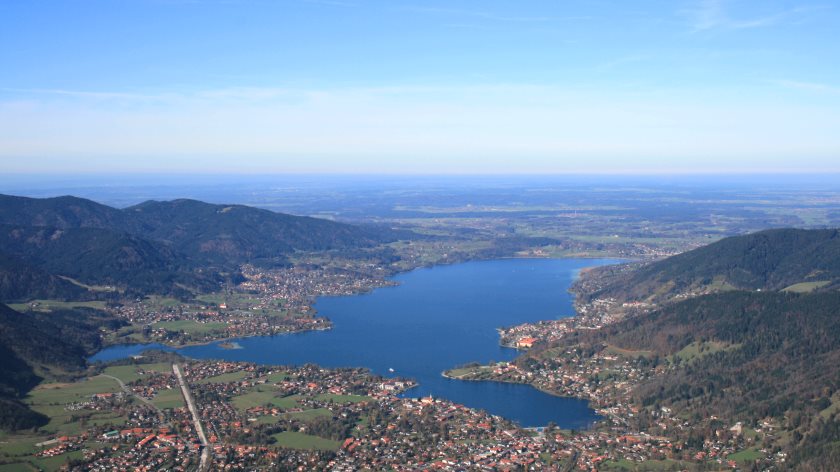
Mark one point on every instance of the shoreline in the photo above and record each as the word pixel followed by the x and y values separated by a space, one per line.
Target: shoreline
pixel 364 292
pixel 594 424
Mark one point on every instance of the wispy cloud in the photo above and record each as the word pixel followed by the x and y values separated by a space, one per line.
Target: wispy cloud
pixel 710 15
pixel 95 95
pixel 808 86
pixel 488 15
pixel 332 3
pixel 622 61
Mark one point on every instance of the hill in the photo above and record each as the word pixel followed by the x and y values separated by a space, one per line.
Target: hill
pixel 796 259
pixel 171 248
pixel 231 234
pixel 101 257
pixel 60 212
pixel 739 356
pixel 21 281
pixel 37 345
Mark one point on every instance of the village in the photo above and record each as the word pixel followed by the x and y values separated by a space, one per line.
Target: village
pixel 310 418
pixel 606 379
pixel 268 302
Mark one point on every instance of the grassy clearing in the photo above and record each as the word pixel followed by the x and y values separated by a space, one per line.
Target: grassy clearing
pixel 833 408
pixel 464 371
pixel 295 440
pixel 190 327
pixel 747 455
pixel 628 465
pixel 171 398
pixel 262 398
pixel 277 377
pixel 50 399
pixel 806 287
pixel 92 288
pixel 328 397
pixel 130 373
pixel 55 463
pixel 311 414
pixel 224 378
pixel 698 349
pixel 16 446
pixel 629 352
pixel 47 306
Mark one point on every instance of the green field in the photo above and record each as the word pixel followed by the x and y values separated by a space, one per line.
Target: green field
pixel 747 455
pixel 52 305
pixel 311 414
pixel 23 458
pixel 224 378
pixel 805 287
pixel 130 373
pixel 190 327
pixel 161 302
pixel 295 440
pixel 276 377
pixel 626 465
pixel 262 398
pixel 696 350
pixel 329 397
pixel 166 399
pixel 628 352
pixel 462 371
pixel 50 399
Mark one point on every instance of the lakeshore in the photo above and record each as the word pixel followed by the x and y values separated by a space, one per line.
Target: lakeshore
pixel 429 321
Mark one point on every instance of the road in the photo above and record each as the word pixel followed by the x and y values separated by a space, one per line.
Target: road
pixel 199 429
pixel 127 390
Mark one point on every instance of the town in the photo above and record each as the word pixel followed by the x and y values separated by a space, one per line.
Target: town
pixel 267 302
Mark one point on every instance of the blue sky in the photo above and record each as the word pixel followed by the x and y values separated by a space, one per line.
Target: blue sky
pixel 423 86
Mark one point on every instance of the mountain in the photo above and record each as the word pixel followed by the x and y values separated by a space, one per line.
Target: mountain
pixel 60 212
pixel 739 356
pixel 34 345
pixel 230 234
pixel 103 257
pixel 21 281
pixel 794 259
pixel 169 248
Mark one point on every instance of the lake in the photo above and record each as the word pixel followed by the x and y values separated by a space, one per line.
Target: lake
pixel 436 319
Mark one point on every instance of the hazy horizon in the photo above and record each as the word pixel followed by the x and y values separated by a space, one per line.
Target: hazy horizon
pixel 309 86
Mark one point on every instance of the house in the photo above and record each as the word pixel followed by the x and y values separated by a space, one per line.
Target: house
pixel 526 342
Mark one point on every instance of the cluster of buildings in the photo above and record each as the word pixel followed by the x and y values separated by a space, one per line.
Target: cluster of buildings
pixel 526 335
pixel 298 287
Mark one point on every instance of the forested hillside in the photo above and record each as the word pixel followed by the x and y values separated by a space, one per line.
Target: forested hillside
pixel 230 234
pixel 802 260
pixel 173 248
pixel 740 356
pixel 20 281
pixel 36 344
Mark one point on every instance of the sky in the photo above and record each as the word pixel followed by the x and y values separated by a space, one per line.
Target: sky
pixel 419 86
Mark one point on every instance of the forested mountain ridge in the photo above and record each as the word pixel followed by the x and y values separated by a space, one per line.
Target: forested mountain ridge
pixel 774 259
pixel 231 233
pixel 20 281
pixel 154 247
pixel 60 212
pixel 738 356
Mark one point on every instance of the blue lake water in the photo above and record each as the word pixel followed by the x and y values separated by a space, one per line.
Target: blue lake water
pixel 436 319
